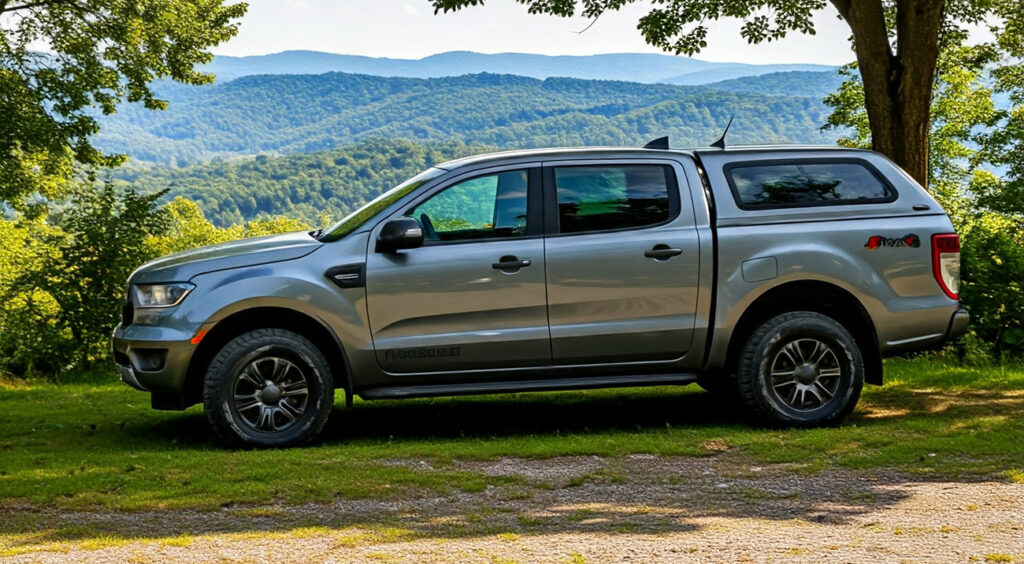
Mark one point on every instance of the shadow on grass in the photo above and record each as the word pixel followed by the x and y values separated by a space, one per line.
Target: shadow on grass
pixel 555 414
pixel 636 496
pixel 532 414
pixel 498 416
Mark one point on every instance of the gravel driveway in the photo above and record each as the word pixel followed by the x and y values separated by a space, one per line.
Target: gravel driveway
pixel 640 508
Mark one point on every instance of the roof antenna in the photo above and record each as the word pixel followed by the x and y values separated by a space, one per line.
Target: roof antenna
pixel 721 140
pixel 659 143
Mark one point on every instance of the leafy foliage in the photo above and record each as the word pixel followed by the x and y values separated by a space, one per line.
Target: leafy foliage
pixel 104 52
pixel 992 261
pixel 65 300
pixel 62 281
pixel 679 25
pixel 1003 143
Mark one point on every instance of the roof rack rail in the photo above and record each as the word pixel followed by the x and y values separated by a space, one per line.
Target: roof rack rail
pixel 659 143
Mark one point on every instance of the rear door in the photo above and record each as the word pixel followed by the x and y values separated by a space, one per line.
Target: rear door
pixel 473 296
pixel 622 261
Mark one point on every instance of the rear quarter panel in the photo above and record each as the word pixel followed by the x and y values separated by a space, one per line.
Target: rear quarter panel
pixel 894 284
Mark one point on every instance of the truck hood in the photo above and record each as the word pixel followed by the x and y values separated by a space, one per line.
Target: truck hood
pixel 180 267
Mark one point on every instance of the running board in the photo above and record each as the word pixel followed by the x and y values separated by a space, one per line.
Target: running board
pixel 468 388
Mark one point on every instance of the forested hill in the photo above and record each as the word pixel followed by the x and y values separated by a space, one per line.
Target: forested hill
pixel 792 83
pixel 316 188
pixel 279 114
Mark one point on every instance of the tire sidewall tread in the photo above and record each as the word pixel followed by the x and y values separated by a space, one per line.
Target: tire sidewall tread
pixel 753 381
pixel 218 385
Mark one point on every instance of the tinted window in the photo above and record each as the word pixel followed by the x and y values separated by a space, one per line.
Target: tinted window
pixel 485 207
pixel 601 198
pixel 806 184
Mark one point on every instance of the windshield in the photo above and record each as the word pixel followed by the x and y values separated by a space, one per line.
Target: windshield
pixel 355 219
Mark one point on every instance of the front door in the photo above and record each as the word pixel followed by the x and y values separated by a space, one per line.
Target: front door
pixel 622 263
pixel 473 296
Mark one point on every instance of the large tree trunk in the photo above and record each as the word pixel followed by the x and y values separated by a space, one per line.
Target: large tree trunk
pixel 897 86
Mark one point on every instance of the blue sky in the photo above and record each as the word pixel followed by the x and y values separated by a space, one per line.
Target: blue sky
pixel 409 29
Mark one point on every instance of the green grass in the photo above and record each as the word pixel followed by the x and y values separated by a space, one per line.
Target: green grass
pixel 89 445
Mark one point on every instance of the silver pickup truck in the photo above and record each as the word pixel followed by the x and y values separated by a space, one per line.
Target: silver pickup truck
pixel 780 274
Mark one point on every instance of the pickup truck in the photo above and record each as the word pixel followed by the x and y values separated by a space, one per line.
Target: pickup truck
pixel 782 275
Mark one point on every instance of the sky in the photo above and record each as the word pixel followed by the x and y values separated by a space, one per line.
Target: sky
pixel 408 29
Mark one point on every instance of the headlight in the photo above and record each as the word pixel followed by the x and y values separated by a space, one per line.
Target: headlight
pixel 161 295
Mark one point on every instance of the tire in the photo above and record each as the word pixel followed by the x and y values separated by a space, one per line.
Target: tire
pixel 801 369
pixel 268 388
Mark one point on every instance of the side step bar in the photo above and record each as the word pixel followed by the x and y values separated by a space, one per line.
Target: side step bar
pixel 540 385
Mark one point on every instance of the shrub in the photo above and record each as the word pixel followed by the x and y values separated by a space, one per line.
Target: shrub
pixel 992 286
pixel 62 277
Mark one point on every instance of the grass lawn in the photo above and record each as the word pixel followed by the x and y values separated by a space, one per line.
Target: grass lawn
pixel 99 445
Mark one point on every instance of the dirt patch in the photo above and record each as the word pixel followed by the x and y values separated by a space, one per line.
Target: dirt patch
pixel 555 472
pixel 640 508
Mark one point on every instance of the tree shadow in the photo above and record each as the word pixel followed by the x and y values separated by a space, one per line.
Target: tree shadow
pixel 637 496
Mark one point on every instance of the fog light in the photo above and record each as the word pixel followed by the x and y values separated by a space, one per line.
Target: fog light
pixel 148 360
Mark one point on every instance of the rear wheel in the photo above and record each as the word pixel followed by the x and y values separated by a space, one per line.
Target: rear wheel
pixel 801 369
pixel 268 388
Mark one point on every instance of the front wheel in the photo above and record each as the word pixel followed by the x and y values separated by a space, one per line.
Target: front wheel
pixel 268 388
pixel 801 369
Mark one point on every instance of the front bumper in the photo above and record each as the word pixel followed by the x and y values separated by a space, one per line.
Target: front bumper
pixel 152 359
pixel 127 374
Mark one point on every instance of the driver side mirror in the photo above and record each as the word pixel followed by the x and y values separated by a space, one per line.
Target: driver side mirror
pixel 401 233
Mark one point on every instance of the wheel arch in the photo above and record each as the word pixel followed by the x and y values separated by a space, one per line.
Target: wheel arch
pixel 263 317
pixel 817 296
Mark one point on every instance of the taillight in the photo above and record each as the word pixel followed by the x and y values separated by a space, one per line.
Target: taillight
pixel 946 263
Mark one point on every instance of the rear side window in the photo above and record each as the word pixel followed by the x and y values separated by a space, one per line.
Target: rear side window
pixel 613 197
pixel 796 183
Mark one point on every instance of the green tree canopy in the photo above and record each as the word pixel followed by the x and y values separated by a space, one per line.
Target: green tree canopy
pixel 98 54
pixel 897 43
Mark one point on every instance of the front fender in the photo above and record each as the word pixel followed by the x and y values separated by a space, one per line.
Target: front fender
pixel 292 286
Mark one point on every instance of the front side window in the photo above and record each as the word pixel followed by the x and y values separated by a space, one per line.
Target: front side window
pixel 612 197
pixel 796 184
pixel 486 207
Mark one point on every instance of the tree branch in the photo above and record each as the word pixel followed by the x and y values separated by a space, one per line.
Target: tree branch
pixel 589 25
pixel 843 7
pixel 4 8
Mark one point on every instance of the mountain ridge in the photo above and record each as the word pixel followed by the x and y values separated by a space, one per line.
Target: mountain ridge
pixel 631 67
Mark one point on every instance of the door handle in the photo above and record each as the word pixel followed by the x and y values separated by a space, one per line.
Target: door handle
pixel 509 262
pixel 662 252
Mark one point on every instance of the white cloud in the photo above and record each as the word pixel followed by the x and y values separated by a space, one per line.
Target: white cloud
pixel 410 10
